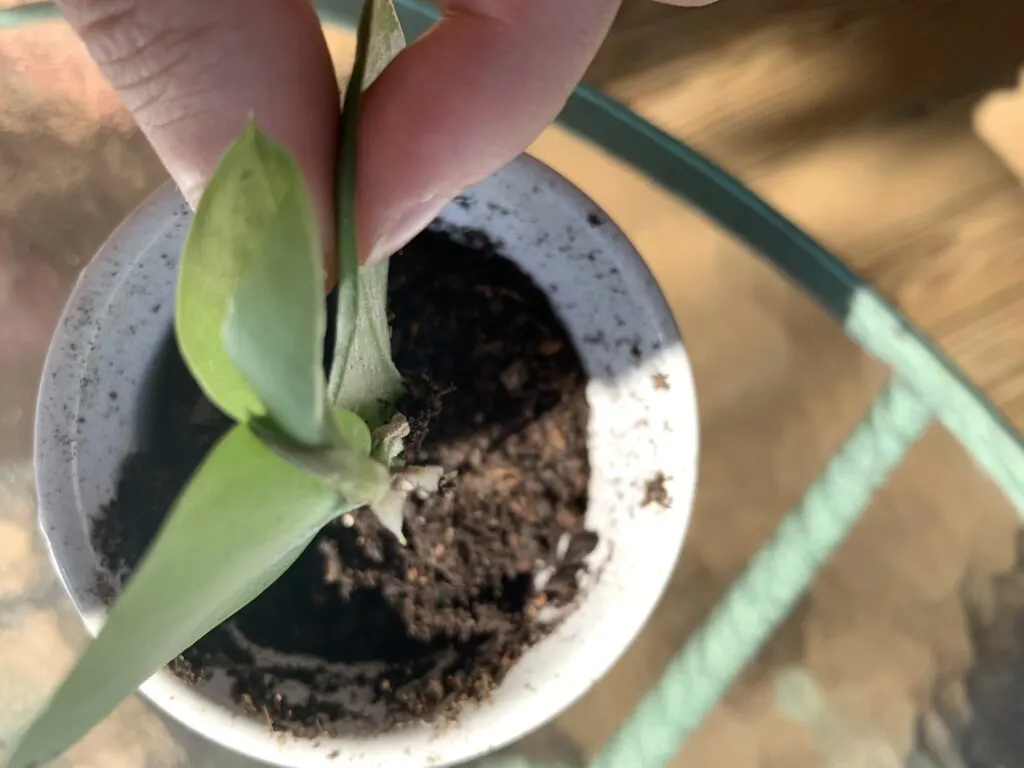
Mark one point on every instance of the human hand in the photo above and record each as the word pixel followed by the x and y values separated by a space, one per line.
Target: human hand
pixel 454 107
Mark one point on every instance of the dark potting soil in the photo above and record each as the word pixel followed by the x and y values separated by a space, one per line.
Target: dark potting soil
pixel 495 393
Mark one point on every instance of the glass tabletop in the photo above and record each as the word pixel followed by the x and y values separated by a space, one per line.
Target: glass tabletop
pixel 780 384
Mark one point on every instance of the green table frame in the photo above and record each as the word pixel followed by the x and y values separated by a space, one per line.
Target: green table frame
pixel 924 386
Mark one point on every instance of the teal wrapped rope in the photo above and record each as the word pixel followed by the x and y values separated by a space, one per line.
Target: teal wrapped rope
pixel 774 581
pixel 28 13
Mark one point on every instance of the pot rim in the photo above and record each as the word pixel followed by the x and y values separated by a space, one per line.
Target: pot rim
pixel 189 706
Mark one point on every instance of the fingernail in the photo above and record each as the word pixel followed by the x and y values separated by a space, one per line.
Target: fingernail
pixel 408 223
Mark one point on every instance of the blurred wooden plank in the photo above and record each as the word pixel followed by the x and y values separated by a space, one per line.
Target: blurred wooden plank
pixel 856 118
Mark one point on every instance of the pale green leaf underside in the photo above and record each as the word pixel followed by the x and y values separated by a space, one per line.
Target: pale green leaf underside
pixel 274 330
pixel 354 431
pixel 242 521
pixel 363 377
pixel 386 40
pixel 371 383
pixel 254 226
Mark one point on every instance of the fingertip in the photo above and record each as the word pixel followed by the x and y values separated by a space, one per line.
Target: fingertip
pixel 464 100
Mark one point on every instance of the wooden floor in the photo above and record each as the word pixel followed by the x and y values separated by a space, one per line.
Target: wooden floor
pixel 858 119
pixel 869 122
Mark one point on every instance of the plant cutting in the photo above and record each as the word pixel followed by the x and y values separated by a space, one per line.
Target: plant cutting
pixel 309 567
pixel 250 322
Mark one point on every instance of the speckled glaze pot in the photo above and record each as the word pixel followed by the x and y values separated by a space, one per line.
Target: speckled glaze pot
pixel 643 428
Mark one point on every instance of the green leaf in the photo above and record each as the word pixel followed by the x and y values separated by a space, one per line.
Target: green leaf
pixel 250 318
pixel 274 330
pixel 363 377
pixel 370 384
pixel 353 430
pixel 243 519
pixel 384 42
pixel 345 465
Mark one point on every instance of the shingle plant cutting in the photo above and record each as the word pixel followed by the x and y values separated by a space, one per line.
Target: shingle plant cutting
pixel 250 322
pixel 402 524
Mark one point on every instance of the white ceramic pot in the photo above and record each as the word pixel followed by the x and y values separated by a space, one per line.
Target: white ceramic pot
pixel 643 424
